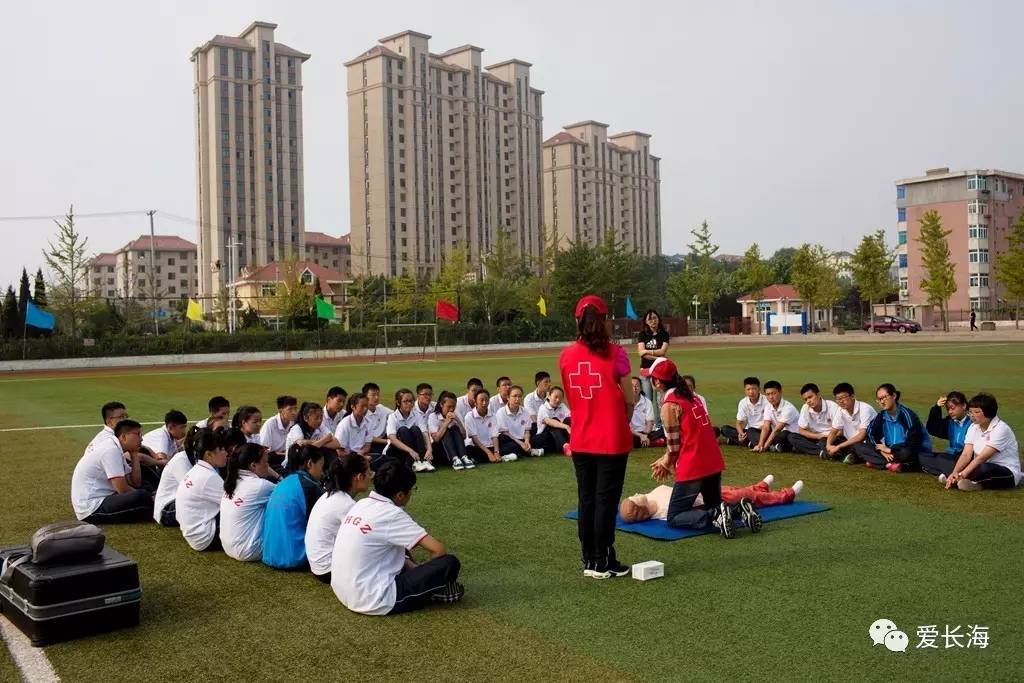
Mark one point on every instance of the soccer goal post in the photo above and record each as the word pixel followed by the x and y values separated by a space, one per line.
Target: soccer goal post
pixel 405 339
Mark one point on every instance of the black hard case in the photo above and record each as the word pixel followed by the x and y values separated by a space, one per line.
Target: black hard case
pixel 53 603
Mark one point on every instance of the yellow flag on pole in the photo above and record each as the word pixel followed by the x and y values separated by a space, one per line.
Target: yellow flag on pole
pixel 543 306
pixel 194 311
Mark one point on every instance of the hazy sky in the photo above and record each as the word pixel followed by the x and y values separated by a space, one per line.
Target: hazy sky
pixel 778 122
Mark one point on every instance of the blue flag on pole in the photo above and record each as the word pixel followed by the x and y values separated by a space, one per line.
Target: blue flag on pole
pixel 630 313
pixel 37 317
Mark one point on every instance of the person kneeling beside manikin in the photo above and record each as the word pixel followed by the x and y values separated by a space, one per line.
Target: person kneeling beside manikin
pixel 654 505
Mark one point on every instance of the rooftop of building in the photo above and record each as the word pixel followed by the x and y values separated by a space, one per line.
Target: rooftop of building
pixel 562 138
pixel 591 122
pixel 407 32
pixel 507 62
pixel 460 48
pixel 322 239
pixel 272 273
pixel 943 173
pixel 628 133
pixel 773 293
pixel 375 51
pixel 108 258
pixel 162 243
pixel 240 43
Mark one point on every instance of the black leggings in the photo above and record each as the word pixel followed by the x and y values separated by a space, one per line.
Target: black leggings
pixel 552 439
pixel 599 480
pixel 119 508
pixel 989 475
pixel 413 438
pixel 506 446
pixel 681 512
pixel 452 444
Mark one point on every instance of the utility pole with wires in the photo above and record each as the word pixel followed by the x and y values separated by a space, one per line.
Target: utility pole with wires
pixel 232 290
pixel 152 273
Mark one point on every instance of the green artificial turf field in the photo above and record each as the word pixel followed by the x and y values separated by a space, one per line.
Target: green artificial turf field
pixel 794 602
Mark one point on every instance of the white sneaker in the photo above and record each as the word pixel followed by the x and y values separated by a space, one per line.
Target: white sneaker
pixel 467 462
pixel 456 464
pixel 537 452
pixel 417 466
pixel 942 479
pixel 511 457
pixel 798 487
pixel 968 485
pixel 428 466
pixel 769 479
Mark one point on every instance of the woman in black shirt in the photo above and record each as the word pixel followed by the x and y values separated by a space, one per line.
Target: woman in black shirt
pixel 652 343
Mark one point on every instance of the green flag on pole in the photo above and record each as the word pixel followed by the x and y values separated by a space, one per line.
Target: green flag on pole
pixel 324 310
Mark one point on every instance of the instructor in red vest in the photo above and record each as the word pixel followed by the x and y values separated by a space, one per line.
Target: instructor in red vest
pixel 596 376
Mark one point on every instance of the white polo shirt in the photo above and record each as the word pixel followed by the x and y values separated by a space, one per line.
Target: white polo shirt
pixel 322 529
pixel 160 441
pixel 1000 437
pixel 295 434
pixel 353 435
pixel 435 420
pixel 369 553
pixel 532 402
pixel 515 425
pixel 202 424
pixel 197 504
pixel 331 423
pixel 786 413
pixel 851 423
pixel 241 517
pixel 643 410
pixel 751 413
pixel 378 420
pixel 462 406
pixel 819 421
pixel 495 404
pixel 703 402
pixel 274 434
pixel 423 415
pixel 546 411
pixel 174 471
pixel 102 461
pixel 396 421
pixel 484 427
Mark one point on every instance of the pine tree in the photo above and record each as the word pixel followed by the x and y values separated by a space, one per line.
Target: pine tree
pixel 24 296
pixel 1010 267
pixel 939 281
pixel 708 278
pixel 39 290
pixel 9 321
pixel 870 264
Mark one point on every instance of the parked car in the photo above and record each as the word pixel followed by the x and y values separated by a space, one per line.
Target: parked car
pixel 890 323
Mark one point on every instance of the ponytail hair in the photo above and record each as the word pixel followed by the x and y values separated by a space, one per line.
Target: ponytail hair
pixel 242 459
pixel 442 397
pixel 592 331
pixel 206 440
pixel 190 444
pixel 307 408
pixel 343 470
pixel 298 456
pixel 681 387
pixel 242 416
pixel 889 389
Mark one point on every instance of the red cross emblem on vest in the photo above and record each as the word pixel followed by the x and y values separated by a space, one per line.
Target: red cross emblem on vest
pixel 700 414
pixel 585 380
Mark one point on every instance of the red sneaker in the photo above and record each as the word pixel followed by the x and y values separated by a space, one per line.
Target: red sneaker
pixel 869 466
pixel 894 467
pixel 658 443
pixel 566 451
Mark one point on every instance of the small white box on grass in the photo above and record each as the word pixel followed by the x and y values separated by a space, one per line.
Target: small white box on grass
pixel 652 569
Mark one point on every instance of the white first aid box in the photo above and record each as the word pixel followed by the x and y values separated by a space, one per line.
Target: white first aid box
pixel 652 569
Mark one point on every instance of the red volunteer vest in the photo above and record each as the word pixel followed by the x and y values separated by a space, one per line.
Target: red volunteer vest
pixel 699 454
pixel 599 422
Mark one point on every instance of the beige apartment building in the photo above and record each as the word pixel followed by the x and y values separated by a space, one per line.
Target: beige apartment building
pixel 595 183
pixel 443 152
pixel 127 273
pixel 978 206
pixel 329 251
pixel 248 110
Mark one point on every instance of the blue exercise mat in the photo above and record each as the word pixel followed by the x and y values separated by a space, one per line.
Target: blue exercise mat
pixel 659 528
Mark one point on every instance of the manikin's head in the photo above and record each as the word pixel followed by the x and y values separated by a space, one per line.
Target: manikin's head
pixel 636 508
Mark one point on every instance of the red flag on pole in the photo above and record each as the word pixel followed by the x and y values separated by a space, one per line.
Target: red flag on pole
pixel 446 310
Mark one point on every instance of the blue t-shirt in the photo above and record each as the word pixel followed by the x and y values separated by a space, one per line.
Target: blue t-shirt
pixel 284 524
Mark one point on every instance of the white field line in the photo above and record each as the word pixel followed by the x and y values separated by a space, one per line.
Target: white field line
pixel 40 429
pixel 31 661
pixel 908 351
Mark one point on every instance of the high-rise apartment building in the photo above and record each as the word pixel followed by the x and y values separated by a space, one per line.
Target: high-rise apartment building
pixel 978 206
pixel 248 109
pixel 595 183
pixel 443 152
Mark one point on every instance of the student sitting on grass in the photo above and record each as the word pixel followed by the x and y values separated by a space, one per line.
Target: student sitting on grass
pixel 897 434
pixel 219 408
pixel 377 418
pixel 500 400
pixel 535 399
pixel 244 504
pixel 289 507
pixel 482 431
pixel 163 442
pixel 176 469
pixel 447 433
pixel 514 427
pixel 371 569
pixel 347 476
pixel 197 502
pixel 353 432
pixel 248 420
pixel 274 433
pixel 309 429
pixel 991 455
pixel 334 408
pixel 106 483
pixel 654 505
pixel 848 436
pixel 953 427
pixel 424 404
pixel 780 421
pixel 467 402
pixel 406 440
pixel 642 421
pixel 749 416
pixel 814 423
pixel 554 423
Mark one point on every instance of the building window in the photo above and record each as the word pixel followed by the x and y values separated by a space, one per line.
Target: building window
pixel 903 261
pixel 902 236
pixel 977 182
pixel 268 290
pixel 978 256
pixel 975 207
pixel 901 192
pixel 978 232
pixel 901 215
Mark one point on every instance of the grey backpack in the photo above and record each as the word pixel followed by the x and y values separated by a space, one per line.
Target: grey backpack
pixel 66 541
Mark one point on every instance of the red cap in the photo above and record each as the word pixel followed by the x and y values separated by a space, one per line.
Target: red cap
pixel 591 300
pixel 662 368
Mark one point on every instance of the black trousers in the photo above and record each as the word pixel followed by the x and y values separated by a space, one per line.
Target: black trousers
pixel 552 439
pixel 120 508
pixel 413 438
pixel 168 516
pixel 416 585
pixel 861 449
pixel 904 455
pixel 477 454
pixel 782 440
pixel 681 512
pixel 989 475
pixel 937 463
pixel 452 445
pixel 506 446
pixel 733 437
pixel 599 480
pixel 652 435
pixel 801 444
